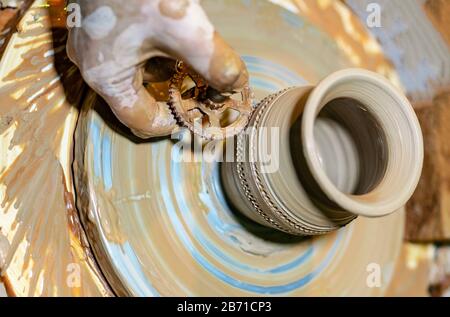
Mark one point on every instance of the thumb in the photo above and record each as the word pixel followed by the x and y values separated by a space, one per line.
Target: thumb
pixel 191 37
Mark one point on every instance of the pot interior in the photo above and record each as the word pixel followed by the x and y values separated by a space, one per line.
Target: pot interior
pixel 351 146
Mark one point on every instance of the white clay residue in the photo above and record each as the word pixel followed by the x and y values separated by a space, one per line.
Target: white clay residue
pixel 176 32
pixel 4 247
pixel 100 23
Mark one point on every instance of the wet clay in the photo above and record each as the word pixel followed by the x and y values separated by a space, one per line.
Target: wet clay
pixel 46 242
pixel 168 228
pixel 174 9
pixel 115 42
pixel 168 224
pixel 226 69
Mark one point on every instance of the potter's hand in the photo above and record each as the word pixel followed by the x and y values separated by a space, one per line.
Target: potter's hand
pixel 117 38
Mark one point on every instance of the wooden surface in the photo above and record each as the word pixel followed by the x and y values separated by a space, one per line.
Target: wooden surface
pixel 428 212
pixel 428 217
pixel 440 272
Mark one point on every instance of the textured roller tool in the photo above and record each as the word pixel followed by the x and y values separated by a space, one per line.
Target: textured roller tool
pixel 205 111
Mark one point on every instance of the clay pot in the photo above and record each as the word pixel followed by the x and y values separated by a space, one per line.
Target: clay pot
pixel 350 146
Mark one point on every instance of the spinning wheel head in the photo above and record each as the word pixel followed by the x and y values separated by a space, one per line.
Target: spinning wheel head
pixel 205 111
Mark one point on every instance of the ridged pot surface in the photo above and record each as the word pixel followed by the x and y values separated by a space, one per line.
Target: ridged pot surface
pixel 314 158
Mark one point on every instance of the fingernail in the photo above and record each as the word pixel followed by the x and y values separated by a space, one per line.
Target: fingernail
pixel 227 71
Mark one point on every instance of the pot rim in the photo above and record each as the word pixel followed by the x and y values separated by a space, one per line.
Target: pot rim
pixel 356 203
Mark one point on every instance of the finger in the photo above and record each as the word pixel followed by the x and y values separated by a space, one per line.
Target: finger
pixel 187 33
pixel 122 89
pixel 110 61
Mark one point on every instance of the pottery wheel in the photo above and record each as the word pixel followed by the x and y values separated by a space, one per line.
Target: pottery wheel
pixel 163 227
pixel 158 226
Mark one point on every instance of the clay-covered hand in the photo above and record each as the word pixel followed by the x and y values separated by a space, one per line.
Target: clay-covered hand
pixel 117 39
